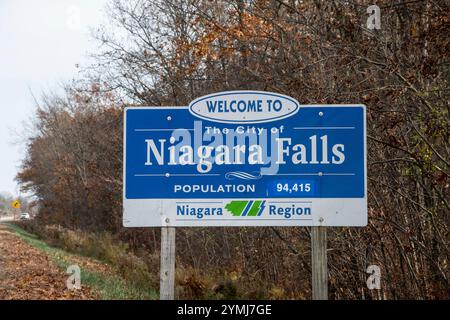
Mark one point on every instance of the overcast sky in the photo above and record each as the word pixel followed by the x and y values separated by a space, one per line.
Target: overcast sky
pixel 41 41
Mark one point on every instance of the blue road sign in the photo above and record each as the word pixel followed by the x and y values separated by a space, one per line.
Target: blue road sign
pixel 245 158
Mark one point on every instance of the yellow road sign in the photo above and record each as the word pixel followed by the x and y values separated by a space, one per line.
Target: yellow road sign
pixel 15 204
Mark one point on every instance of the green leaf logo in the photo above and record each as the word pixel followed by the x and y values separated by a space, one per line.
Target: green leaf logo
pixel 251 208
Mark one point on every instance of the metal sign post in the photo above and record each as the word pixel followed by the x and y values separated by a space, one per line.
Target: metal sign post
pixel 319 263
pixel 16 207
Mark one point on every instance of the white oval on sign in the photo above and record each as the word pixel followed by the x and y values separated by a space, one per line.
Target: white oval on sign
pixel 244 107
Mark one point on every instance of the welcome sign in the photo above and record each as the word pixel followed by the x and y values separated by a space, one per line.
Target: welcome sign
pixel 244 158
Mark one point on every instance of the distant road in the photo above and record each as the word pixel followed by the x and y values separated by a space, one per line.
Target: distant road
pixel 6 218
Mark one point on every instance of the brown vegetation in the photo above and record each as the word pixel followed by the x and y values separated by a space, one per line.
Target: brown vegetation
pixel 27 273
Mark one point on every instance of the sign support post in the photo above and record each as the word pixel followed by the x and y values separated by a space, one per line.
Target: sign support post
pixel 319 263
pixel 16 208
pixel 167 272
